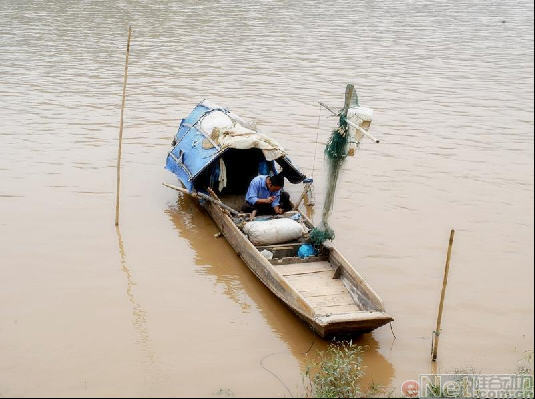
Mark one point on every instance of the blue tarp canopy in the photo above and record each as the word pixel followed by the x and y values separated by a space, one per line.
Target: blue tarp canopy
pixel 189 157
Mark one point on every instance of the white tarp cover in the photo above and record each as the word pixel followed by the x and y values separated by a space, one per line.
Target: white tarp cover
pixel 230 131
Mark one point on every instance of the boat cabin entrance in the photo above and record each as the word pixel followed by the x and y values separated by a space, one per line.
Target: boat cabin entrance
pixel 230 174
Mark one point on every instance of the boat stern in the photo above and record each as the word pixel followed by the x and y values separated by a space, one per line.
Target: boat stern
pixel 350 323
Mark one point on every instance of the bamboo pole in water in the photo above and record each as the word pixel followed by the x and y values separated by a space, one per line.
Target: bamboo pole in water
pixel 203 196
pixel 121 128
pixel 436 333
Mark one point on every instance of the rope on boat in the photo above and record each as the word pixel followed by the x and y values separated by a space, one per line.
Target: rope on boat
pixel 316 143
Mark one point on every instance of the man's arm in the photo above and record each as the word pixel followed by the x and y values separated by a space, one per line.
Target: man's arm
pixel 276 202
pixel 276 199
pixel 267 200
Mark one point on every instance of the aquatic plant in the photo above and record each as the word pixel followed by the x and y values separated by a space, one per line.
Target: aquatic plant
pixel 525 364
pixel 336 372
pixel 224 392
pixel 465 383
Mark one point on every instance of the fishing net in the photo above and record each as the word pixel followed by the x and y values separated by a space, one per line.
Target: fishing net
pixel 320 234
pixel 336 153
pixel 339 146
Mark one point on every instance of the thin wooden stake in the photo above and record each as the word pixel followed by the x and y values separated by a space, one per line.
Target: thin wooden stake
pixel 198 194
pixel 121 128
pixel 436 333
pixel 306 188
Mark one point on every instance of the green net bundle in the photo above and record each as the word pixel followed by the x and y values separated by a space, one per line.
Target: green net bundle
pixel 320 234
pixel 336 153
pixel 336 149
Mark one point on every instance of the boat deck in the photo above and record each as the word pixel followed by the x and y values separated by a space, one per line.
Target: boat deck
pixel 316 283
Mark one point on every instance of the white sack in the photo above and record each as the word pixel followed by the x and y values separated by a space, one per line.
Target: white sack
pixel 274 231
pixel 215 119
pixel 229 133
pixel 362 117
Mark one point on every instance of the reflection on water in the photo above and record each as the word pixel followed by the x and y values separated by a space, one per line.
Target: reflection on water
pixel 139 315
pixel 195 225
pixel 241 285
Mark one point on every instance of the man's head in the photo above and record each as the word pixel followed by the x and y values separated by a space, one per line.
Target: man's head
pixel 275 183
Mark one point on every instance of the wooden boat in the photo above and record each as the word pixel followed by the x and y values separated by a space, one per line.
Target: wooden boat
pixel 324 290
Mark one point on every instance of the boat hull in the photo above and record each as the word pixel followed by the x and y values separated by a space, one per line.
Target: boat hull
pixel 286 286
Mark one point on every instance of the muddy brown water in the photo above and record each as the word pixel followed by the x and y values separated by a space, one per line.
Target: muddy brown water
pixel 161 307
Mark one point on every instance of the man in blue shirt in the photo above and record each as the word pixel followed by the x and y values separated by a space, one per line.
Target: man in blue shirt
pixel 265 195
